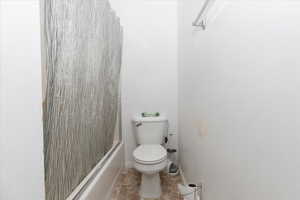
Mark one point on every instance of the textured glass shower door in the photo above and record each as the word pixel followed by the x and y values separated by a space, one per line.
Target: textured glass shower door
pixel 82 50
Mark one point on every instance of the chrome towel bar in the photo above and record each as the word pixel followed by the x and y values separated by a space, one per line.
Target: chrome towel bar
pixel 200 21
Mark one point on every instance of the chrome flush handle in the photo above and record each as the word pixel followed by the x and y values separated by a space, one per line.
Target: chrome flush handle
pixel 138 124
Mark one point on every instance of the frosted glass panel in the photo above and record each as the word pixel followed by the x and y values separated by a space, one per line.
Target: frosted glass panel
pixel 82 42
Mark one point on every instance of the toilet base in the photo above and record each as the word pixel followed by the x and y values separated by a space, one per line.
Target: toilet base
pixel 150 186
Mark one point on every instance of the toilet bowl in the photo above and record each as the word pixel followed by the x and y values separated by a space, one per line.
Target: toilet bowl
pixel 150 156
pixel 150 159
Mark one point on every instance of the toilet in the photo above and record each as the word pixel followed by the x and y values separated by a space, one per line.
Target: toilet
pixel 150 156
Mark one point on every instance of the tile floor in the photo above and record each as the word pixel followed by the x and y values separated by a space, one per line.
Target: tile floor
pixel 127 187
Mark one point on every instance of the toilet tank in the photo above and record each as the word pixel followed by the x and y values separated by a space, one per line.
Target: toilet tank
pixel 150 130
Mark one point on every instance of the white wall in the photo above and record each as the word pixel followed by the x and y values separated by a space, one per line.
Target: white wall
pixel 239 100
pixel 21 144
pixel 149 62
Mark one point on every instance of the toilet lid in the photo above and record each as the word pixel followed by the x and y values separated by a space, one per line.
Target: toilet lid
pixel 149 154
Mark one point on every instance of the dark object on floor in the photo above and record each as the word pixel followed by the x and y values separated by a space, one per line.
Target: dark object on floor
pixel 172 169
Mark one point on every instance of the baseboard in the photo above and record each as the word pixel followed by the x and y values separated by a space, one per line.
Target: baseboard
pixel 128 165
pixel 182 176
pixel 184 180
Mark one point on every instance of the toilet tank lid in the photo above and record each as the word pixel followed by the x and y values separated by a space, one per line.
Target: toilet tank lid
pixel 149 119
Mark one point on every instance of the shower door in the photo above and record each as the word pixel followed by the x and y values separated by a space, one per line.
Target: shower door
pixel 82 44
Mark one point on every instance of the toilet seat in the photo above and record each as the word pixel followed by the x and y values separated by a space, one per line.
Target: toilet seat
pixel 150 159
pixel 150 154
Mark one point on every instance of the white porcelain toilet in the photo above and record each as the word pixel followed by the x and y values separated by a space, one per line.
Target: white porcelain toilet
pixel 150 156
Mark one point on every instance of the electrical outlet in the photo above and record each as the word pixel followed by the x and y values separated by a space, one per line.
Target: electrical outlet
pixel 202 128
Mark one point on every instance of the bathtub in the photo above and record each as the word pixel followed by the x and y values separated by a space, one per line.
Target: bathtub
pixel 99 184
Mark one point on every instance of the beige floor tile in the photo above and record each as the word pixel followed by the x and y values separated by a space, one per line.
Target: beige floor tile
pixel 127 186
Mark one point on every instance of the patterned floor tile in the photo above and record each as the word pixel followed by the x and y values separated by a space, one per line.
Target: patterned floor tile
pixel 127 186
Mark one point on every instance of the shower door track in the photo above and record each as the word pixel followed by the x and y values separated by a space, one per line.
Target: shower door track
pixel 79 190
